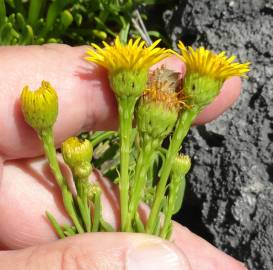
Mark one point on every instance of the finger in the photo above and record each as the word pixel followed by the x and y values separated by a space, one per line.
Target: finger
pixel 200 253
pixel 27 191
pixel 100 251
pixel 26 196
pixel 85 99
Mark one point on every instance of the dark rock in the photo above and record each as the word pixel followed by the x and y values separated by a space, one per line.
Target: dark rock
pixel 229 198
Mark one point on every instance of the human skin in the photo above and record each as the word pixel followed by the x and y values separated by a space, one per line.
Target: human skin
pixel 27 189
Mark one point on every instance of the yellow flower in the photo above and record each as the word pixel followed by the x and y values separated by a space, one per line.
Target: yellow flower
pixel 127 64
pixel 40 108
pixel 207 63
pixel 206 72
pixel 132 56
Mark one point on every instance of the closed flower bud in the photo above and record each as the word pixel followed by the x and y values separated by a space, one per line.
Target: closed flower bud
pixel 77 154
pixel 181 165
pixel 82 170
pixel 93 189
pixel 40 108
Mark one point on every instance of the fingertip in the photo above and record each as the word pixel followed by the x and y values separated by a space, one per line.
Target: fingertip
pixel 172 63
pixel 229 93
pixel 210 258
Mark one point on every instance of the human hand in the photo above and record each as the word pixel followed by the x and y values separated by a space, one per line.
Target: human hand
pixel 27 189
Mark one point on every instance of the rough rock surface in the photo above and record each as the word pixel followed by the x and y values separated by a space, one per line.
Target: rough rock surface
pixel 229 199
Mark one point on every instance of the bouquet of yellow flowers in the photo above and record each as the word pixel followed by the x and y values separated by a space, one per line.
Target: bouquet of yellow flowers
pixel 157 104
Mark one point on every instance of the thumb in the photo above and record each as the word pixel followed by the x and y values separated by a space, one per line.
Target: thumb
pixel 100 251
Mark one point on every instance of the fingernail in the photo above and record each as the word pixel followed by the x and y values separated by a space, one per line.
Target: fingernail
pixel 155 256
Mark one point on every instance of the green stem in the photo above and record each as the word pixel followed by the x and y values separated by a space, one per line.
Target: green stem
pixel 68 231
pixel 126 109
pixel 180 194
pixel 181 130
pixel 174 186
pixel 139 224
pixel 50 151
pixel 70 209
pixel 82 211
pixel 101 137
pixel 82 200
pixel 97 212
pixel 46 137
pixel 107 227
pixel 55 225
pixel 142 166
pixel 80 185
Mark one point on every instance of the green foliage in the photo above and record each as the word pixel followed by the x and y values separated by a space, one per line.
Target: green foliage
pixel 65 21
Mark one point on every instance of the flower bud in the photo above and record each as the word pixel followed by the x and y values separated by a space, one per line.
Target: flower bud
pixel 40 108
pixel 181 165
pixel 77 154
pixel 93 189
pixel 82 170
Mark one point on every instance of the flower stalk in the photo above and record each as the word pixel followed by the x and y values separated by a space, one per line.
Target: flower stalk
pixel 157 113
pixel 40 110
pixel 46 137
pixel 181 130
pixel 142 166
pixel 181 166
pixel 126 109
pixel 127 66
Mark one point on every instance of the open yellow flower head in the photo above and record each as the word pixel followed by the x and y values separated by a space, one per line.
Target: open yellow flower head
pixel 40 107
pixel 127 64
pixel 77 154
pixel 205 62
pixel 206 72
pixel 132 56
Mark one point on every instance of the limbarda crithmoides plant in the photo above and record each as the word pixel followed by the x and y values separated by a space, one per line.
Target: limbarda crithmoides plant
pixel 153 106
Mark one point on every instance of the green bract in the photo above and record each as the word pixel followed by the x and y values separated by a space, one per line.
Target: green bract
pixel 155 119
pixel 128 82
pixel 201 90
